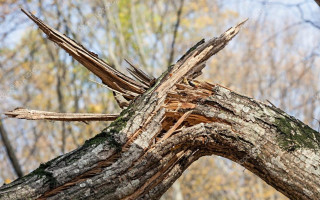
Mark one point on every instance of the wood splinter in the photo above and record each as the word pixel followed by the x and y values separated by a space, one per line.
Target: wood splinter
pixel 176 125
pixel 23 113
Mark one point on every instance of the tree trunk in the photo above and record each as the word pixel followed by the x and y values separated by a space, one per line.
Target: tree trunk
pixel 170 126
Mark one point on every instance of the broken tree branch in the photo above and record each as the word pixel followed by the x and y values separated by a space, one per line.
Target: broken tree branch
pixel 22 113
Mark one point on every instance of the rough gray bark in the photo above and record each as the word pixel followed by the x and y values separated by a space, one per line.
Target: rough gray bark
pixel 126 161
pixel 171 125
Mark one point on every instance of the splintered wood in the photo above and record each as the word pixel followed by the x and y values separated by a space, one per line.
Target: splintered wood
pixel 109 76
pixel 176 125
pixel 180 103
pixel 125 88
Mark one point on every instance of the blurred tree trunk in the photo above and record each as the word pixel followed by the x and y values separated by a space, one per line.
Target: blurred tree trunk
pixel 10 151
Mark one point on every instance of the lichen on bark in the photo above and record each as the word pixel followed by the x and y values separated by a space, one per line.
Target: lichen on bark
pixel 293 134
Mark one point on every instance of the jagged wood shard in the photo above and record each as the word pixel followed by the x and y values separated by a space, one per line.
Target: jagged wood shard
pixel 109 76
pixel 194 59
pixel 140 75
pixel 22 113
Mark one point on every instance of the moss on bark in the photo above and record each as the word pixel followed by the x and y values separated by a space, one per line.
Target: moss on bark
pixel 294 134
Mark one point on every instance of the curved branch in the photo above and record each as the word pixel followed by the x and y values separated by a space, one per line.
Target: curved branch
pixel 265 140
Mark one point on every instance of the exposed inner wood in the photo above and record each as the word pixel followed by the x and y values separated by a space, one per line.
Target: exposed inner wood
pixel 176 125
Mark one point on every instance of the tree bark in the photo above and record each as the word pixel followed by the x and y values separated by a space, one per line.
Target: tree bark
pixel 170 126
pixel 127 161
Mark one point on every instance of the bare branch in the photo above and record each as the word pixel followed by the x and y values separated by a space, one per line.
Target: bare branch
pixel 175 32
pixel 22 113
